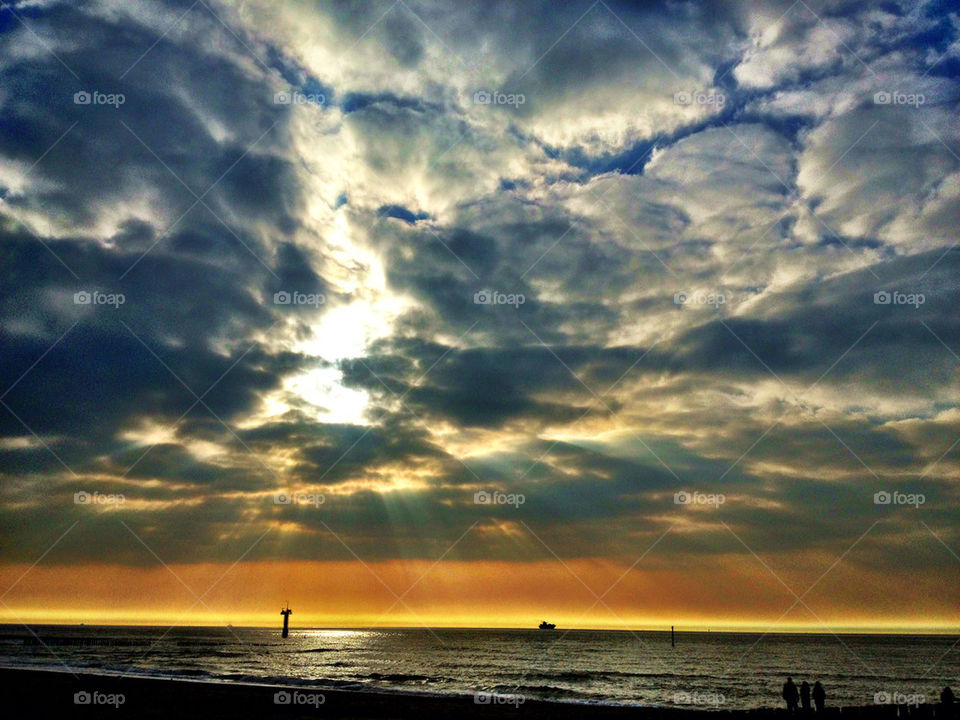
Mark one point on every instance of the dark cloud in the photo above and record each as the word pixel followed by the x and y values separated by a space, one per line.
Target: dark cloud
pixel 843 325
pixel 201 198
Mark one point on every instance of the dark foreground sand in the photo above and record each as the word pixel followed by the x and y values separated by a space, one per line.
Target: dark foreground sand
pixel 43 694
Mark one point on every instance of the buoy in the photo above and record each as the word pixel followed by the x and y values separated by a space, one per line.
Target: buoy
pixel 286 620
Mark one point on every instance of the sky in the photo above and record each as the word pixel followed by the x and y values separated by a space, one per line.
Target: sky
pixel 475 314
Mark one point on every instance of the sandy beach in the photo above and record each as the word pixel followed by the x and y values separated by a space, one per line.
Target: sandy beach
pixel 61 694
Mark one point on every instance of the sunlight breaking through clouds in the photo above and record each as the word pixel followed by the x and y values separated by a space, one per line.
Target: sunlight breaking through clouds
pixel 395 256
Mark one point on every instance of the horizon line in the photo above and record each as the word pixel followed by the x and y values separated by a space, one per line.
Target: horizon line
pixel 720 629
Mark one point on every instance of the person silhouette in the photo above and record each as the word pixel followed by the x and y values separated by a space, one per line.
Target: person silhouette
pixel 790 695
pixel 819 696
pixel 805 696
pixel 947 696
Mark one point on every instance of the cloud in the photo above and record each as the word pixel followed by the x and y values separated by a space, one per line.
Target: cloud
pixel 719 235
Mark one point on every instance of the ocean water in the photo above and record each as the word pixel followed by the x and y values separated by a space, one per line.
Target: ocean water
pixel 705 670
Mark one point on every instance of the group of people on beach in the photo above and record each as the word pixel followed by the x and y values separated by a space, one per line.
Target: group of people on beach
pixel 797 698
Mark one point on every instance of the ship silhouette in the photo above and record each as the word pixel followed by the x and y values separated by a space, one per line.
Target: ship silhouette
pixel 547 626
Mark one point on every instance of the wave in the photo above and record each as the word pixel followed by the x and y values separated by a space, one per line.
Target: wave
pixel 84 641
pixel 402 677
pixel 593 675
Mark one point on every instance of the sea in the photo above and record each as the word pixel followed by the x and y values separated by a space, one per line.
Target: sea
pixel 706 670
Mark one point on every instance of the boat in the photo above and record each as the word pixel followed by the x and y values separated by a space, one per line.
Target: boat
pixel 547 626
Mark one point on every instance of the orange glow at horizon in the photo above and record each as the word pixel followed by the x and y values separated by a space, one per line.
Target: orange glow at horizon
pixel 733 595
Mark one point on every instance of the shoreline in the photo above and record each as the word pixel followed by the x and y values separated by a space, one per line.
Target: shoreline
pixel 90 694
pixel 187 698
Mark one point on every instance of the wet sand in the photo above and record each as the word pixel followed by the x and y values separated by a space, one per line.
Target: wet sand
pixel 35 693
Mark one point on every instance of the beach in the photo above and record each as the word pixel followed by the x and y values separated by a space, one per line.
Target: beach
pixel 64 694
